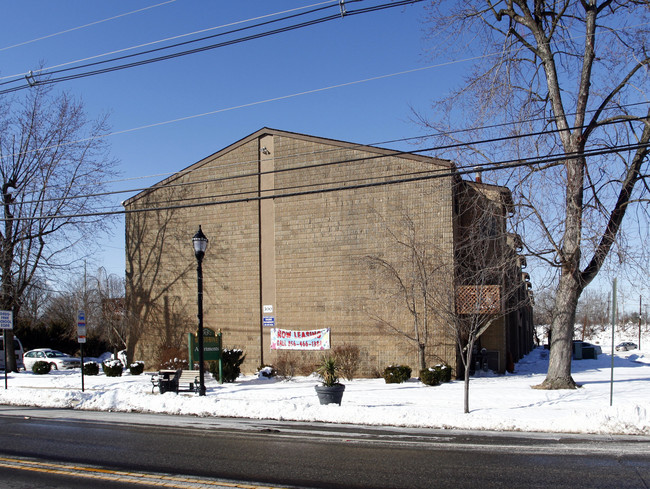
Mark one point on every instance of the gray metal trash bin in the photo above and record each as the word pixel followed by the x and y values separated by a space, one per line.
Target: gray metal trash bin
pixel 168 381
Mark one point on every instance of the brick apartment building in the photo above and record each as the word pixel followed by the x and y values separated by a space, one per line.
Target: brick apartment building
pixel 303 231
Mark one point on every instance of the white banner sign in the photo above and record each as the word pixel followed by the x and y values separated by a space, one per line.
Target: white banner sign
pixel 284 339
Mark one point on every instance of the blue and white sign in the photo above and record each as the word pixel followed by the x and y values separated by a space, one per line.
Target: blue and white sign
pixel 6 320
pixel 268 321
pixel 81 326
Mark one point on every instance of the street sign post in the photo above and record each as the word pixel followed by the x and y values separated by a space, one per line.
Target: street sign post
pixel 81 337
pixel 6 323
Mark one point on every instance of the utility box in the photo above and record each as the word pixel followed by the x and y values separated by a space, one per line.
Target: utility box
pixel 589 353
pixel 577 350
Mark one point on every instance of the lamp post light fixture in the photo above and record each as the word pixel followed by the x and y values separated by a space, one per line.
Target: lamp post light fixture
pixel 200 243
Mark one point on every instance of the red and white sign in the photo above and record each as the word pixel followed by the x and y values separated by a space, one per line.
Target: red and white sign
pixel 284 339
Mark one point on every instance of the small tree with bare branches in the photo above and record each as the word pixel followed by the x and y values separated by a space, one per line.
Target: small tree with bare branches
pixel 408 277
pixel 488 285
pixel 53 169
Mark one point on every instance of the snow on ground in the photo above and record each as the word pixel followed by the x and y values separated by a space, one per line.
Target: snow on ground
pixel 497 402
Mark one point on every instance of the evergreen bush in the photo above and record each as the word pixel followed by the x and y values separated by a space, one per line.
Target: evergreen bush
pixel 41 367
pixel 91 368
pixel 136 368
pixel 430 376
pixel 266 371
pixel 328 371
pixel 444 372
pixel 396 374
pixel 231 360
pixel 112 368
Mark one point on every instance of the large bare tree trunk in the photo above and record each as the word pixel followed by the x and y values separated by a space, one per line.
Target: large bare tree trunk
pixel 559 368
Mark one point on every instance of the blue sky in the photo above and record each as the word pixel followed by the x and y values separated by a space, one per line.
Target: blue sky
pixel 226 81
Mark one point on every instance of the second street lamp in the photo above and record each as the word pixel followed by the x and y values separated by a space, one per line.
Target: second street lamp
pixel 200 243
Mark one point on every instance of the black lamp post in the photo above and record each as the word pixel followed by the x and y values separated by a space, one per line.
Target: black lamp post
pixel 200 243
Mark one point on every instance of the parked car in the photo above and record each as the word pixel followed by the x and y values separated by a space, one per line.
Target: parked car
pixel 625 346
pixel 58 360
pixel 18 350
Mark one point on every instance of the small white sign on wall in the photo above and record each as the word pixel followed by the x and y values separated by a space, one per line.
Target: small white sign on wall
pixel 267 308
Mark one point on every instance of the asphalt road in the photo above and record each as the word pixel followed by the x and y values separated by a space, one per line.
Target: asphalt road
pixel 71 448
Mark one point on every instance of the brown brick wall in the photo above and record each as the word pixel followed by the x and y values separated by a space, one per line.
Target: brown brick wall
pixel 322 278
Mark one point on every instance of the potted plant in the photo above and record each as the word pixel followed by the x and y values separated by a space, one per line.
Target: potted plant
pixel 331 391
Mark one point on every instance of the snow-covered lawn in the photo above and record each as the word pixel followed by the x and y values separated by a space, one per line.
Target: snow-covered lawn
pixel 496 402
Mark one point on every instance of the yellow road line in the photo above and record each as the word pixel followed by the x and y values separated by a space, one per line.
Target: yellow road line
pixel 164 480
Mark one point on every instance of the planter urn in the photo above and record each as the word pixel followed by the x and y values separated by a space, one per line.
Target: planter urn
pixel 330 394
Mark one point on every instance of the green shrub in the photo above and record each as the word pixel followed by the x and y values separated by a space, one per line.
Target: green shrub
pixel 231 360
pixel 430 376
pixel 397 374
pixel 266 371
pixel 328 371
pixel 41 367
pixel 91 368
pixel 444 372
pixel 136 368
pixel 112 368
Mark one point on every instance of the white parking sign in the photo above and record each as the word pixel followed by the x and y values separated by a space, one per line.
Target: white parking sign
pixel 81 326
pixel 6 320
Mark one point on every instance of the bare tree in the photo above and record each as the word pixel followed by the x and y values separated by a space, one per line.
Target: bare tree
pixel 592 313
pixel 544 301
pixel 150 303
pixel 476 286
pixel 408 278
pixel 110 304
pixel 488 283
pixel 53 165
pixel 571 76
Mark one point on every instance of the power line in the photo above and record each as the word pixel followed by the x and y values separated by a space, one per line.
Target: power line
pixel 415 175
pixel 31 81
pixel 20 75
pixel 386 154
pixel 84 26
pixel 397 179
pixel 250 104
pixel 307 92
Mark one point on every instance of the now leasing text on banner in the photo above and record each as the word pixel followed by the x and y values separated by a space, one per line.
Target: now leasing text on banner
pixel 284 339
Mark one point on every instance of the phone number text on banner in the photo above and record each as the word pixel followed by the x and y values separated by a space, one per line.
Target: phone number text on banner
pixel 284 339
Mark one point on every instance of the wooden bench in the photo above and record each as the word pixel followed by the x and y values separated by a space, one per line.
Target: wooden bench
pixel 190 380
pixel 175 381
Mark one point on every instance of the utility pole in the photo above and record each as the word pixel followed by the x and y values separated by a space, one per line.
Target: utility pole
pixel 640 309
pixel 614 308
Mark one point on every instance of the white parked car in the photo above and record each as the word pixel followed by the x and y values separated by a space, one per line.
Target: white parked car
pixel 58 360
pixel 626 346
